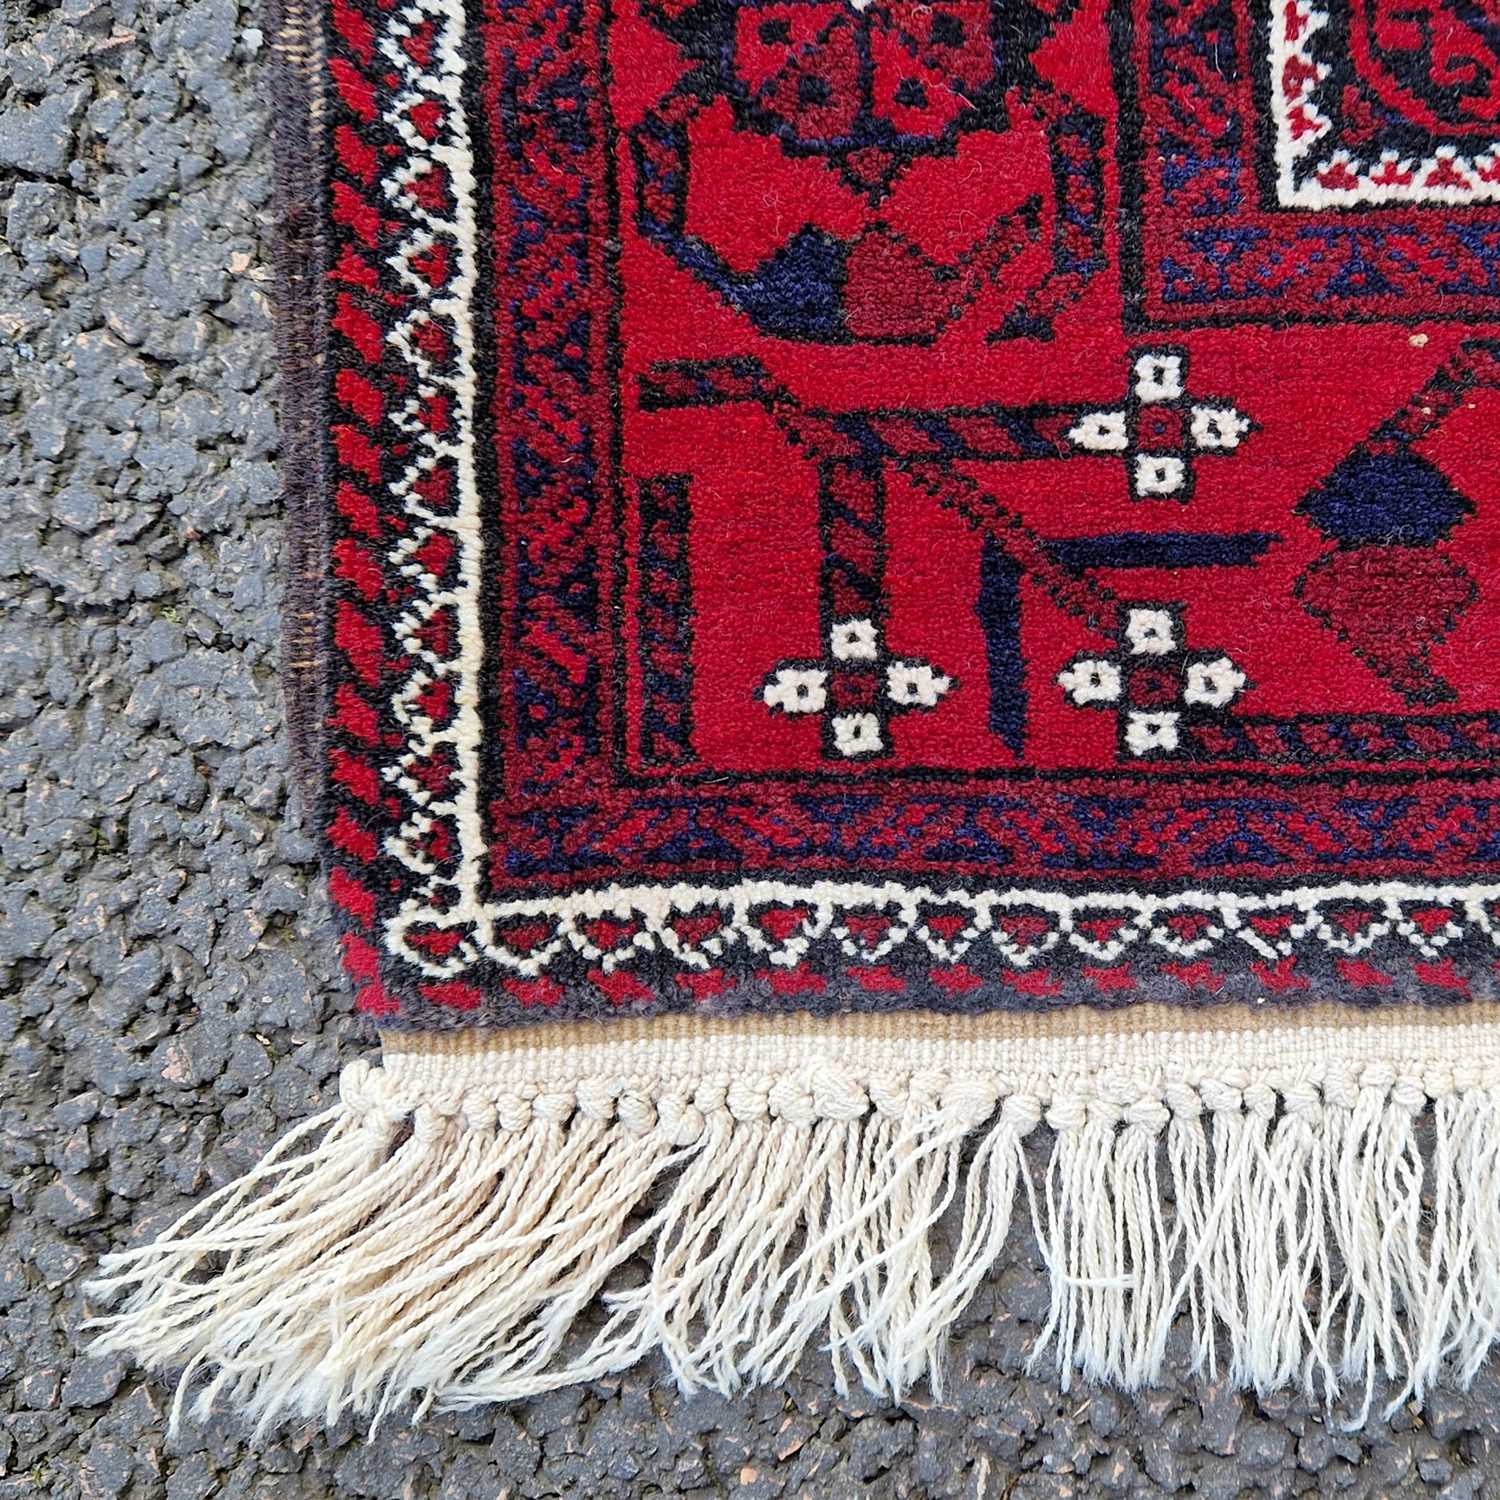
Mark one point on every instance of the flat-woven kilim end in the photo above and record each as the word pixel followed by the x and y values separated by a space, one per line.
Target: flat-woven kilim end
pixel 893 619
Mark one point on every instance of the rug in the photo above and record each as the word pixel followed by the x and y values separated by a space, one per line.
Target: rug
pixel 891 640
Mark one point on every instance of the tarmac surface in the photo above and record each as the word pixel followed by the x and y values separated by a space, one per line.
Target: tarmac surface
pixel 169 998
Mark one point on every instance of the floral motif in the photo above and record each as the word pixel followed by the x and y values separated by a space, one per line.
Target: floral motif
pixel 858 686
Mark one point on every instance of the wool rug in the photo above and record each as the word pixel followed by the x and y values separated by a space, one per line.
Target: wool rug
pixel 891 638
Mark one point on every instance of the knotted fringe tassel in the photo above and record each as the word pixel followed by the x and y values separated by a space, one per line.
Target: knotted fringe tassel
pixel 459 1244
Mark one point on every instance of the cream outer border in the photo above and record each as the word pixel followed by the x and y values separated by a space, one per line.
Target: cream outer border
pixel 1137 1050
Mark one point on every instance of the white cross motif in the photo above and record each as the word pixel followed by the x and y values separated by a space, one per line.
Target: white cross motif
pixel 857 688
pixel 1160 427
pixel 1156 686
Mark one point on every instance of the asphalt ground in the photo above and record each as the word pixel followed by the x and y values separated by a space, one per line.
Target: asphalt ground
pixel 169 998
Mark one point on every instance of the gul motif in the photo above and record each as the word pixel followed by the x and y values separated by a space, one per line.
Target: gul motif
pixel 871 88
pixel 1375 101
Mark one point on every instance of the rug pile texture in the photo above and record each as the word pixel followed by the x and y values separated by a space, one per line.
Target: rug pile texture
pixel 892 630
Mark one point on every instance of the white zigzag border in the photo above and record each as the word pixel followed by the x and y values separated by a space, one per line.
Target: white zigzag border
pixel 650 912
pixel 454 881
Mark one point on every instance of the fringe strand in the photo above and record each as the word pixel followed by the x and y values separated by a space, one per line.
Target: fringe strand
pixel 446 1245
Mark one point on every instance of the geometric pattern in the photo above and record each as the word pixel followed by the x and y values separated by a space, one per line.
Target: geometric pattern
pixel 874 92
pixel 1154 684
pixel 770 564
pixel 1385 586
pixel 1247 133
pixel 950 946
pixel 1384 103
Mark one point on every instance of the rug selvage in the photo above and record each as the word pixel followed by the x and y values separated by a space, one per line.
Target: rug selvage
pixel 299 259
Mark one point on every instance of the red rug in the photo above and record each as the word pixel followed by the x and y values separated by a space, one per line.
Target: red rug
pixel 830 504
pixel 817 507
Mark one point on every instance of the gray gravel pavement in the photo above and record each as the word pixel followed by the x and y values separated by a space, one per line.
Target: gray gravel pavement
pixel 169 1000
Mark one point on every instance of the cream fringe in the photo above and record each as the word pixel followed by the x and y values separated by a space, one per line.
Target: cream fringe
pixel 444 1240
